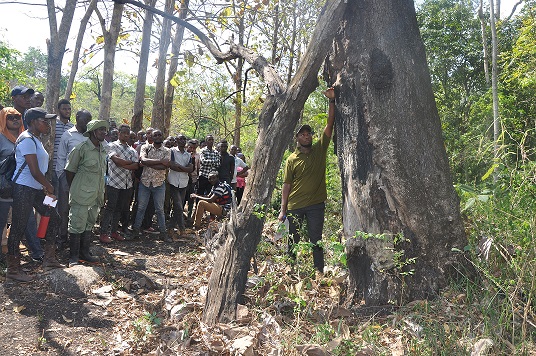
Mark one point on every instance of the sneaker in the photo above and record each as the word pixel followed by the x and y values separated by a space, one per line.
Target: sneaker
pixel 37 259
pixel 136 233
pixel 105 238
pixel 117 236
pixel 151 230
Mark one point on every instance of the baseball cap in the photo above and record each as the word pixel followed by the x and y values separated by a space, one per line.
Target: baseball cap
pixel 304 128
pixel 21 90
pixel 37 113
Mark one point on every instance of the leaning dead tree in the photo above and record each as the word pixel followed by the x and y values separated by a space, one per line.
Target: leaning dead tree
pixel 278 118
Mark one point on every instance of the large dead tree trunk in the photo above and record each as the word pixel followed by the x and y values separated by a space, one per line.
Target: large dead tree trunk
pixel 392 158
pixel 277 121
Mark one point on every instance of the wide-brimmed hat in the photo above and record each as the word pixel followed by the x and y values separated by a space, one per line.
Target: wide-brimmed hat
pixel 37 113
pixel 21 90
pixel 95 124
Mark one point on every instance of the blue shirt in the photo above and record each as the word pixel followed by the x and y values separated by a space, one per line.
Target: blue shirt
pixel 27 145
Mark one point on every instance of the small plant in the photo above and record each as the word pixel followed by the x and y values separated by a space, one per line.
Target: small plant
pixel 259 210
pixel 324 334
pixel 144 325
pixel 41 341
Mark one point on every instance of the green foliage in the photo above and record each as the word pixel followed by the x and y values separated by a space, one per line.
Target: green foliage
pixel 502 230
pixel 144 325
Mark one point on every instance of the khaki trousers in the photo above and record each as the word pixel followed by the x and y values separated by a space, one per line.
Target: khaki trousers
pixel 203 206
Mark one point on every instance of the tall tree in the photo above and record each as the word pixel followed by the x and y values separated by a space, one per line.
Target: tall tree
pixel 139 100
pixel 78 45
pixel 395 174
pixel 157 118
pixel 56 49
pixel 173 63
pixel 110 42
pixel 494 79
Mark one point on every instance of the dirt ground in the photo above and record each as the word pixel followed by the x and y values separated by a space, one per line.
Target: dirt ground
pixel 58 314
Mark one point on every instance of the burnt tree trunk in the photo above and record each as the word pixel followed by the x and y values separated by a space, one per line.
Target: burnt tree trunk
pixel 394 167
pixel 277 121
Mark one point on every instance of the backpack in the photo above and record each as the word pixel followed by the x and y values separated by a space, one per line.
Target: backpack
pixel 7 169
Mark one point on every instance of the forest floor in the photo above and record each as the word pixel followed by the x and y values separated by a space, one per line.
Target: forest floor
pixel 147 298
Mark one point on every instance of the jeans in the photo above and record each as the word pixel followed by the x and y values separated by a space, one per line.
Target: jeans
pixel 117 200
pixel 33 243
pixel 149 211
pixel 192 188
pixel 177 195
pixel 314 215
pixel 158 194
pixel 29 198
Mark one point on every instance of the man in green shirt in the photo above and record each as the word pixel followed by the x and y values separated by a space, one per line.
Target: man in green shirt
pixel 85 172
pixel 304 185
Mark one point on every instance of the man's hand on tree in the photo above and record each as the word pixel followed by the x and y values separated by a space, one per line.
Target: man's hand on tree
pixel 330 93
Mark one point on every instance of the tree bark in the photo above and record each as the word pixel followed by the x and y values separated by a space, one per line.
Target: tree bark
pixel 139 99
pixel 485 54
pixel 110 43
pixel 78 45
pixel 277 121
pixel 157 117
pixel 494 85
pixel 173 63
pixel 55 51
pixel 392 158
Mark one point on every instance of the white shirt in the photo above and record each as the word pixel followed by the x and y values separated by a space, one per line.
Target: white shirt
pixel 179 179
pixel 238 163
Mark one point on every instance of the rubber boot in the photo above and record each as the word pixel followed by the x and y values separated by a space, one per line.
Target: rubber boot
pixel 62 242
pixel 14 271
pixel 85 253
pixel 50 260
pixel 74 247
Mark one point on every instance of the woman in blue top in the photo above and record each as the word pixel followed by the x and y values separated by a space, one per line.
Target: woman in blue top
pixel 29 190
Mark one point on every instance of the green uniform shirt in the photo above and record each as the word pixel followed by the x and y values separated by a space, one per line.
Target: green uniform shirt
pixel 306 173
pixel 89 165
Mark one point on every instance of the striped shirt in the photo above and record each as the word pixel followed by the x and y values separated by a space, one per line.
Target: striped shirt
pixel 60 129
pixel 222 191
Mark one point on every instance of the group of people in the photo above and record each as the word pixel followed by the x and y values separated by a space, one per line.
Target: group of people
pixel 99 165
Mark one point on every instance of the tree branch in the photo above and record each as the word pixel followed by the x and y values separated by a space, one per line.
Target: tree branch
pixel 260 64
pixel 513 10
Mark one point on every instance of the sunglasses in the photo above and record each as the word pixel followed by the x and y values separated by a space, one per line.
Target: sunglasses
pixel 13 117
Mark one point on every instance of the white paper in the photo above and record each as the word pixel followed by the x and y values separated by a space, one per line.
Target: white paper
pixel 48 201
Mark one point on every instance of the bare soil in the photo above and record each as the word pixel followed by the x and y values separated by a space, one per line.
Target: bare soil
pixel 126 317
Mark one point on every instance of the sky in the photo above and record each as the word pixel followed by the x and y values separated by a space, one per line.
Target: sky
pixel 25 24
